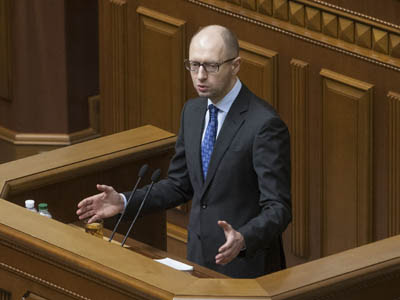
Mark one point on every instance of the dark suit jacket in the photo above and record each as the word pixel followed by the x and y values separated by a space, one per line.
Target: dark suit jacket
pixel 247 185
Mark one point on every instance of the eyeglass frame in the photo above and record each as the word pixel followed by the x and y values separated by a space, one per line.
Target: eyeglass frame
pixel 187 62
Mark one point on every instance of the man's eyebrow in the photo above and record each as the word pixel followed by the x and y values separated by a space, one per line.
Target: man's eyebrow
pixel 205 62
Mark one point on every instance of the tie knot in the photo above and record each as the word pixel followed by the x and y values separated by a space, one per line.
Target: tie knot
pixel 213 109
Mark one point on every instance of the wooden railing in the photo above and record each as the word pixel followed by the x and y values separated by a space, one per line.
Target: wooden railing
pixel 44 258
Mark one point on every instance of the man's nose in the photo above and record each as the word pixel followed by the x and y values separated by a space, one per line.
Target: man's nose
pixel 202 73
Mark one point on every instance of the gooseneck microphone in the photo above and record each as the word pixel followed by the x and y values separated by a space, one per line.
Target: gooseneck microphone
pixel 154 178
pixel 142 172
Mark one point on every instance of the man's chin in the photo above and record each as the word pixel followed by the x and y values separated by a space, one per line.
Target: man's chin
pixel 204 94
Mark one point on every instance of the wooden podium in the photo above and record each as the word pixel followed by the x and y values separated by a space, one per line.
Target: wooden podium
pixel 51 259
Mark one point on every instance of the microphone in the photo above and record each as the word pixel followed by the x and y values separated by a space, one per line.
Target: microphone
pixel 142 171
pixel 154 178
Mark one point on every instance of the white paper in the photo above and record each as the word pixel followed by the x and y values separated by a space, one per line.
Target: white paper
pixel 175 264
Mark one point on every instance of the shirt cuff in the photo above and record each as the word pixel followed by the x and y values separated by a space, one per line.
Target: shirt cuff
pixel 123 198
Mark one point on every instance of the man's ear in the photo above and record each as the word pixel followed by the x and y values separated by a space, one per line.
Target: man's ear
pixel 236 65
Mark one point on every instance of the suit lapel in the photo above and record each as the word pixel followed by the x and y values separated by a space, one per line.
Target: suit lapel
pixel 196 125
pixel 233 121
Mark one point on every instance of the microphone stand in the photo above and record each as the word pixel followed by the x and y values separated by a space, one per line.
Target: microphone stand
pixel 142 171
pixel 154 178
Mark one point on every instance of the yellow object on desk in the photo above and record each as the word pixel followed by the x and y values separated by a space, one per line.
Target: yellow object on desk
pixel 95 228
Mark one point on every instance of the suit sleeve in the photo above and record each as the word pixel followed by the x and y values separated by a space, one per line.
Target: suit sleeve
pixel 171 191
pixel 271 162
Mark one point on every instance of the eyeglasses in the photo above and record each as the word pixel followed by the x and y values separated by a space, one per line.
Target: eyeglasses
pixel 194 66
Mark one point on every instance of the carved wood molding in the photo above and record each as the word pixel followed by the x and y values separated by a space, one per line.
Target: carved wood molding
pixel 115 104
pixel 346 160
pixel 19 138
pixel 300 162
pixel 261 61
pixel 394 163
pixel 356 13
pixel 41 281
pixel 5 50
pixel 323 26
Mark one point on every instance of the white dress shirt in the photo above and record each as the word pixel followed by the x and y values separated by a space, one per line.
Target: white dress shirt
pixel 223 107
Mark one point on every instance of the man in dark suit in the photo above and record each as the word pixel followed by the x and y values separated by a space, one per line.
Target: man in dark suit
pixel 232 159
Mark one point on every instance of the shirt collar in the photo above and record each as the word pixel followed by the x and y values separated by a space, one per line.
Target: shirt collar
pixel 225 103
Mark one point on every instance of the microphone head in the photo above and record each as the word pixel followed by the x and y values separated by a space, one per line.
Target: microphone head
pixel 156 175
pixel 143 170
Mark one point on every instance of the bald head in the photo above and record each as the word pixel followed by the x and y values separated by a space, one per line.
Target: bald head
pixel 215 52
pixel 218 36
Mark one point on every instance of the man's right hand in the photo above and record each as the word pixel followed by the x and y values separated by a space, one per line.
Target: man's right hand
pixel 104 205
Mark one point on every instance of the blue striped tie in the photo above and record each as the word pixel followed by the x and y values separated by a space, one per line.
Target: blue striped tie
pixel 209 139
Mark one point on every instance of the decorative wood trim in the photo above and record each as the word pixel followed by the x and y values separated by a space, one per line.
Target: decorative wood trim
pixel 266 63
pixel 18 138
pixel 394 164
pixel 327 36
pixel 250 4
pixel 300 162
pixel 356 14
pixel 41 281
pixel 5 50
pixel 347 99
pixel 170 31
pixel 113 59
pixel 117 105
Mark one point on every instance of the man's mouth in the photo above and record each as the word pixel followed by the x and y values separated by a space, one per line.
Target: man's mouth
pixel 202 88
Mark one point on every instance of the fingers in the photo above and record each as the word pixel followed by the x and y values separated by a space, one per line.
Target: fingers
pixel 91 200
pixel 226 252
pixel 105 188
pixel 227 231
pixel 87 210
pixel 104 204
pixel 226 256
pixel 231 248
pixel 84 212
pixel 93 219
pixel 87 205
pixel 227 245
pixel 222 259
pixel 224 225
pixel 86 215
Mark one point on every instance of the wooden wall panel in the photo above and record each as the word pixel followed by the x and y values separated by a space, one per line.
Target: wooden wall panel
pixel 300 162
pixel 5 50
pixel 160 69
pixel 48 70
pixel 261 65
pixel 347 162
pixel 394 164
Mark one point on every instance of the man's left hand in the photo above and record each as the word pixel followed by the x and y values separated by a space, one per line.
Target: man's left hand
pixel 234 243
